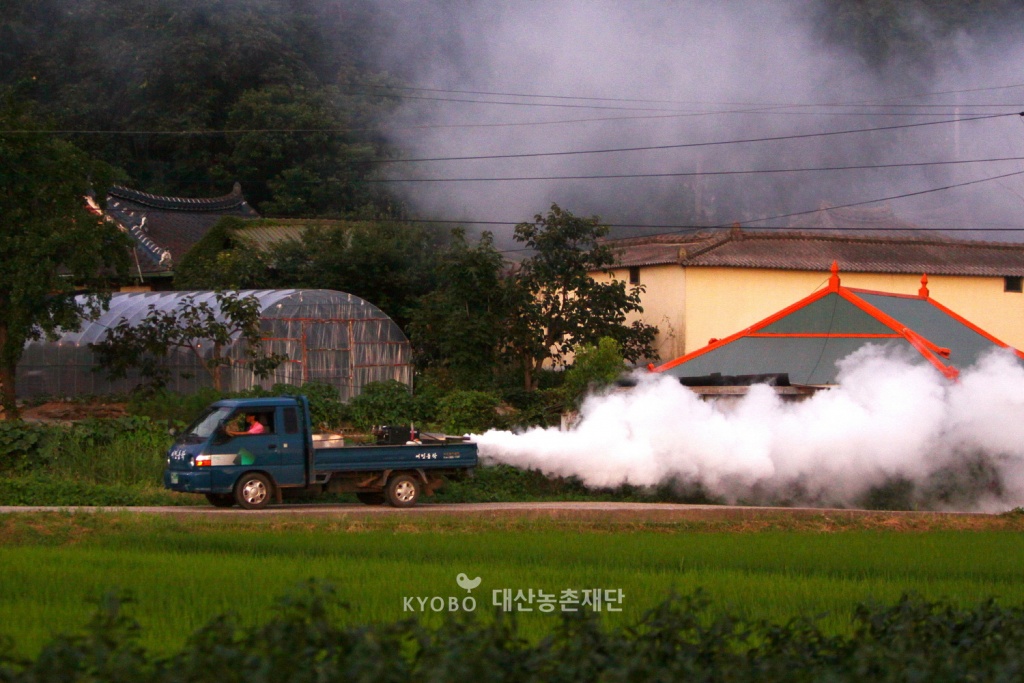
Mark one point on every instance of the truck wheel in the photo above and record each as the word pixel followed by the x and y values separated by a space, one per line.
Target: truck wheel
pixel 371 498
pixel 403 491
pixel 253 491
pixel 220 500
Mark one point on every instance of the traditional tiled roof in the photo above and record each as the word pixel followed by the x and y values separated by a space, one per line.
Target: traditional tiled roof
pixel 806 250
pixel 165 228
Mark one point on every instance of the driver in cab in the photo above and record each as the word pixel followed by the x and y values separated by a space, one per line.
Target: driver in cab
pixel 252 426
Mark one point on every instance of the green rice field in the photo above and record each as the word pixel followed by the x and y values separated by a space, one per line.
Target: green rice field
pixel 183 571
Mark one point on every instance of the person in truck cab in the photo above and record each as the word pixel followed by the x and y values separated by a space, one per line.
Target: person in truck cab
pixel 252 426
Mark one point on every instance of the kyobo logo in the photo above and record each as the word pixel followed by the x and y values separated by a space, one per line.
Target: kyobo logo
pixel 445 603
pixel 467 583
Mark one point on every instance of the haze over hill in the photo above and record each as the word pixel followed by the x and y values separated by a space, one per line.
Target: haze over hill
pixel 610 75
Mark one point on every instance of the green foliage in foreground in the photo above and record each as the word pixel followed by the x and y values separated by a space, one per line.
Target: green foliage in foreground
pixel 679 639
pixel 94 462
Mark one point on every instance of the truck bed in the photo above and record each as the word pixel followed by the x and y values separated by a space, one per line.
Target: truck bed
pixel 406 457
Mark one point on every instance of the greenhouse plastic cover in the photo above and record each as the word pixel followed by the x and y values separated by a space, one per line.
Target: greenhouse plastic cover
pixel 328 336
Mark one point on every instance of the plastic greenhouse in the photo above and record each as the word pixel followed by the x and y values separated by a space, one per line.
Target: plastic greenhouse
pixel 328 336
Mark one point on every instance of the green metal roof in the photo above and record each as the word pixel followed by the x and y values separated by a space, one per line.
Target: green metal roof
pixel 807 360
pixel 808 339
pixel 830 314
pixel 966 346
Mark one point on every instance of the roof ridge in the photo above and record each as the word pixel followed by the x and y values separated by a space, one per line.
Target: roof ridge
pixel 880 239
pixel 228 201
pixel 664 238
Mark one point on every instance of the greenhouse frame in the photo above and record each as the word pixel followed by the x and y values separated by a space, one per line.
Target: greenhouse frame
pixel 328 336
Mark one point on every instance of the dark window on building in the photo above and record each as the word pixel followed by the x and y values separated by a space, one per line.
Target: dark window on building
pixel 1013 283
pixel 291 421
pixel 634 275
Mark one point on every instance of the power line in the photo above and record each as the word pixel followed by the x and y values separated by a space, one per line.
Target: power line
pixel 698 103
pixel 696 144
pixel 669 229
pixel 692 173
pixel 884 199
pixel 198 132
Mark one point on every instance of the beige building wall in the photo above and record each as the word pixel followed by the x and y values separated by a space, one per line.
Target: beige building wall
pixel 664 302
pixel 691 306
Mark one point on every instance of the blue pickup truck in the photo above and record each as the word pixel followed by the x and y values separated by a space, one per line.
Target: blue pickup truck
pixel 252 451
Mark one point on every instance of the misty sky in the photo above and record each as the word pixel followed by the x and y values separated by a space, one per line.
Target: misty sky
pixel 674 73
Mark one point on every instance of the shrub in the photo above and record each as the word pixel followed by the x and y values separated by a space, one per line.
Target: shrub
pixel 169 406
pixel 468 412
pixel 382 403
pixel 325 407
pixel 680 639
pixel 593 367
pixel 20 443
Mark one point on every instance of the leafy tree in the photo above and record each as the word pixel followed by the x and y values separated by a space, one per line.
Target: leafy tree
pixel 219 261
pixel 49 240
pixel 387 263
pixel 146 345
pixel 555 303
pixel 318 171
pixel 458 326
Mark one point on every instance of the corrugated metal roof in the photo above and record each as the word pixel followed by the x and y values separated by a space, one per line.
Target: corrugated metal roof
pixel 262 234
pixel 810 251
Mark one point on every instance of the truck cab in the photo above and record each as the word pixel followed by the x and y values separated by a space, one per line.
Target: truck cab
pixel 211 453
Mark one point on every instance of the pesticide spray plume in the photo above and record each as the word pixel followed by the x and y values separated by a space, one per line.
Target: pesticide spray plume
pixel 892 434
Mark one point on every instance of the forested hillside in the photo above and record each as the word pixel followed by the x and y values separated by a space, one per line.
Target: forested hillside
pixel 158 86
pixel 187 96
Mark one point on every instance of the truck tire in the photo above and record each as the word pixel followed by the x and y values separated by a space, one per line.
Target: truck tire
pixel 371 498
pixel 253 491
pixel 220 500
pixel 403 491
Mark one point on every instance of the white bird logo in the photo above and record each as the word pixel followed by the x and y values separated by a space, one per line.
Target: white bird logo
pixel 467 583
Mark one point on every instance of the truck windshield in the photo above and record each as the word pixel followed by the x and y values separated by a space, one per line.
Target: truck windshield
pixel 205 426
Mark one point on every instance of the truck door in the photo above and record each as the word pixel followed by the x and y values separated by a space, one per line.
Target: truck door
pixel 257 449
pixel 291 448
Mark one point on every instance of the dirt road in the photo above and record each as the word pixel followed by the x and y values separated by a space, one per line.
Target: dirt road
pixel 627 513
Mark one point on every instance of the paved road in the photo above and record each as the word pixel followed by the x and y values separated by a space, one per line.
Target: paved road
pixel 581 510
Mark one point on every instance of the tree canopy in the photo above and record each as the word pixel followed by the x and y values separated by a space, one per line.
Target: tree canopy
pixel 558 305
pixel 50 242
pixel 459 326
pixel 389 263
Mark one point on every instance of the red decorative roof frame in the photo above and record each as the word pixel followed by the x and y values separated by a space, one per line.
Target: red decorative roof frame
pixel 935 354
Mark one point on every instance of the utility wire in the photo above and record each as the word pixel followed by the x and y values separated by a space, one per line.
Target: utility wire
pixel 198 132
pixel 657 101
pixel 669 229
pixel 884 199
pixel 696 144
pixel 690 173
